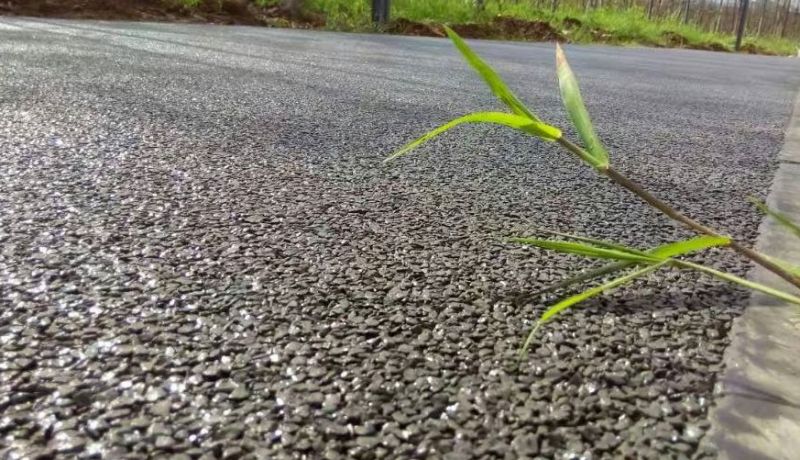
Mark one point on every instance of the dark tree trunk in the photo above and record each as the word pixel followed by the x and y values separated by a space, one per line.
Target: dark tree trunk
pixel 686 11
pixel 785 18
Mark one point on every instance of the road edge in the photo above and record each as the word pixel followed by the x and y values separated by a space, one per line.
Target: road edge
pixel 757 410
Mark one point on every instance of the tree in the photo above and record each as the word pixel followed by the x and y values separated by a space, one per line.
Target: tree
pixel 787 7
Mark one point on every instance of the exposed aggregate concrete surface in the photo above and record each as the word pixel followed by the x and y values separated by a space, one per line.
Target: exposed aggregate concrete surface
pixel 201 255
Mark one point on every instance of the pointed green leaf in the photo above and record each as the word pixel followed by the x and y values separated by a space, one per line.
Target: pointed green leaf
pixel 492 79
pixel 586 276
pixel 523 350
pixel 594 241
pixel 573 102
pixel 779 217
pixel 534 128
pixel 586 250
pixel 664 251
pixel 570 301
pixel 735 279
pixel 680 248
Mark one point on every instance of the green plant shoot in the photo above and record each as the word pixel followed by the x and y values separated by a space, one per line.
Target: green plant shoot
pixel 573 102
pixel 640 263
pixel 534 128
pixel 492 79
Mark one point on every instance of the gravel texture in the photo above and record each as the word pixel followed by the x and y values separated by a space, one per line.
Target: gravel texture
pixel 201 255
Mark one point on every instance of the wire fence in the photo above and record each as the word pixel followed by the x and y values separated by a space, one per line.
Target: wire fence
pixel 778 18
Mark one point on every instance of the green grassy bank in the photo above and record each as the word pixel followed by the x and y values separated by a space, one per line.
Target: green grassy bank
pixel 603 25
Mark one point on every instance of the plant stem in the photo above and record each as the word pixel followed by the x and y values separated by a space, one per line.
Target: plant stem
pixel 685 220
pixel 735 279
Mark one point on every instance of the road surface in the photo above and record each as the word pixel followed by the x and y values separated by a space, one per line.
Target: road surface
pixel 201 255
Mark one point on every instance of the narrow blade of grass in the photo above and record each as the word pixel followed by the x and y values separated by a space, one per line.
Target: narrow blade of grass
pixel 573 102
pixel 741 281
pixel 492 79
pixel 594 241
pixel 779 217
pixel 793 269
pixel 668 250
pixel 586 276
pixel 570 301
pixel 684 247
pixel 528 126
pixel 586 250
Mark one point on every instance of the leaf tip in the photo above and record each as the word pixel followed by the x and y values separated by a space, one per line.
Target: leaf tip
pixel 755 201
pixel 561 58
pixel 523 350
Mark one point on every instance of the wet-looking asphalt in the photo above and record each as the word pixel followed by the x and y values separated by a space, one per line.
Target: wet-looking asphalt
pixel 202 256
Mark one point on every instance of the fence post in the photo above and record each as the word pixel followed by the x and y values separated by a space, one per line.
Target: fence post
pixel 380 11
pixel 742 23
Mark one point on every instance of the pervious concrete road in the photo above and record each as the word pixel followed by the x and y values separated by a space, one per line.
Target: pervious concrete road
pixel 202 256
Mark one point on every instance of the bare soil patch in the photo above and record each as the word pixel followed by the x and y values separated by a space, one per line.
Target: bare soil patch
pixel 500 28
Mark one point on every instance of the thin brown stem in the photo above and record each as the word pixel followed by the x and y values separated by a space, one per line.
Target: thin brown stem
pixel 676 215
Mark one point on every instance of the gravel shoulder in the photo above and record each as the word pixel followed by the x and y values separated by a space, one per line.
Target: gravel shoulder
pixel 201 254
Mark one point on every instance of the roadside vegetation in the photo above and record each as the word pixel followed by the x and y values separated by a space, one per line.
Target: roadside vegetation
pixel 626 263
pixel 772 26
pixel 570 22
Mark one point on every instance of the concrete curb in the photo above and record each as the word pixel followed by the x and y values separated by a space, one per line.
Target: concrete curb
pixel 757 415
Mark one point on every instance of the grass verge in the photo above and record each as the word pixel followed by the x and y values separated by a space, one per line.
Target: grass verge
pixel 620 27
pixel 499 20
